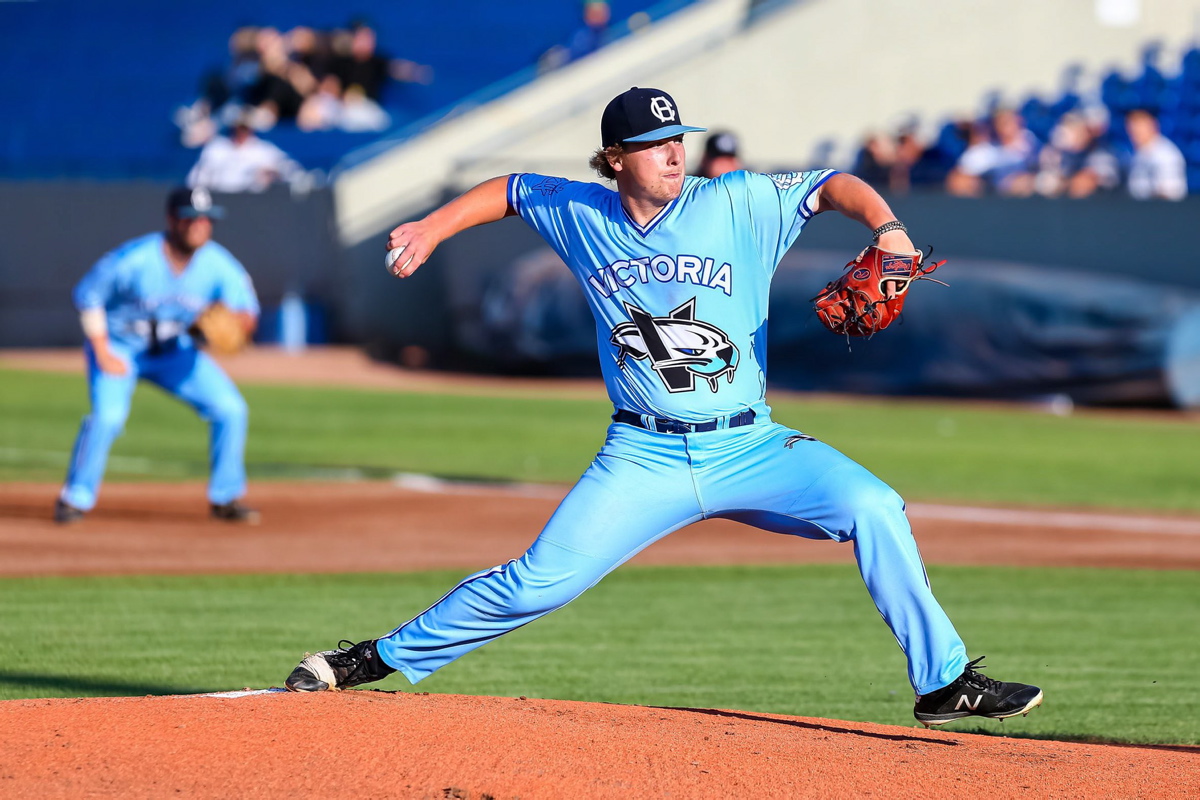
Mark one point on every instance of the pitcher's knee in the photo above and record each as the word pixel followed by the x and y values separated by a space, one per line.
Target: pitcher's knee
pixel 867 499
pixel 108 421
pixel 230 411
pixel 535 592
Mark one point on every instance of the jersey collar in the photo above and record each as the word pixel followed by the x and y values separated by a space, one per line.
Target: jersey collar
pixel 645 230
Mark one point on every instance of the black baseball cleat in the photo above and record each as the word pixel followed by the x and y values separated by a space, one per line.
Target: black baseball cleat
pixel 65 513
pixel 976 695
pixel 331 670
pixel 234 511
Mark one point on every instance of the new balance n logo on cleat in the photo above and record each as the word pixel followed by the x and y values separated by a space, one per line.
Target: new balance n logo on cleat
pixel 963 701
pixel 973 694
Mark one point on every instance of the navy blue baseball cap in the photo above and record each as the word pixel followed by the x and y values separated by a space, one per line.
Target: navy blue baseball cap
pixel 184 203
pixel 641 115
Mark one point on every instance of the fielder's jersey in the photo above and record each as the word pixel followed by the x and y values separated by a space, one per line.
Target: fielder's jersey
pixel 145 300
pixel 680 303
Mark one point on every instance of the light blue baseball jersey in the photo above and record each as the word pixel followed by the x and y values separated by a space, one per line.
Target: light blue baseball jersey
pixel 146 301
pixel 681 312
pixel 681 302
pixel 139 291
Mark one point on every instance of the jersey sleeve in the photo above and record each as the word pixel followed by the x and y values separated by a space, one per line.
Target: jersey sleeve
pixel 95 288
pixel 780 205
pixel 236 289
pixel 543 202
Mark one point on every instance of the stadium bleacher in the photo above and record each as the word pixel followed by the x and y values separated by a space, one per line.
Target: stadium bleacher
pixel 90 88
pixel 1173 95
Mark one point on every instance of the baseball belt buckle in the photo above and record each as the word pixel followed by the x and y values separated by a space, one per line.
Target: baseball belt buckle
pixel 672 426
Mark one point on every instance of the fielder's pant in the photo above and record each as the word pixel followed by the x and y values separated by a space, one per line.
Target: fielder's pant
pixel 186 373
pixel 642 486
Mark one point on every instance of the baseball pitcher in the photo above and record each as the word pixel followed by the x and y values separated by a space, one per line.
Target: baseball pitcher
pixel 677 270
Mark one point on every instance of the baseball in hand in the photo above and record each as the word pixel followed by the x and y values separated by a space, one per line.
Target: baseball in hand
pixel 393 256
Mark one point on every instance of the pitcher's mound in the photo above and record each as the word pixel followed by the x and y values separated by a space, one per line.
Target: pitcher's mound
pixel 381 744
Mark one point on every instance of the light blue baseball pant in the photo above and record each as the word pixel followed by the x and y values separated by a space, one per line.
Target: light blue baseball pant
pixel 642 486
pixel 186 373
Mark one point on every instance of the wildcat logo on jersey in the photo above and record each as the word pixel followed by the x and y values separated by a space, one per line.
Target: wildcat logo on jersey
pixel 680 348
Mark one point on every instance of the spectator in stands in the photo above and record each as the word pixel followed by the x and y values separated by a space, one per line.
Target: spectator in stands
pixel 720 155
pixel 875 160
pixel 356 62
pixel 1075 162
pixel 282 83
pixel 1158 169
pixel 222 92
pixel 232 83
pixel 588 38
pixel 242 162
pixel 330 108
pixel 889 163
pixel 1002 160
pixel 310 49
pixel 322 110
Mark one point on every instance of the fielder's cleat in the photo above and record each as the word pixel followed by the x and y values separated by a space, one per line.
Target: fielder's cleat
pixel 65 513
pixel 331 670
pixel 234 511
pixel 975 695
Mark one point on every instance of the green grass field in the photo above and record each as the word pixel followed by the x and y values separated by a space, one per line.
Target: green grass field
pixel 1115 650
pixel 927 451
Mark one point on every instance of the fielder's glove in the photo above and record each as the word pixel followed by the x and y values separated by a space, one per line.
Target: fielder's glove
pixel 870 295
pixel 219 329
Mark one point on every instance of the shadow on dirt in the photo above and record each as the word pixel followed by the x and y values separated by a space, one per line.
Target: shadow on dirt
pixel 893 737
pixel 1053 737
pixel 35 684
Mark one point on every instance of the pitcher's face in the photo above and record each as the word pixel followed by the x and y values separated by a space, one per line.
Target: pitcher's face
pixel 653 169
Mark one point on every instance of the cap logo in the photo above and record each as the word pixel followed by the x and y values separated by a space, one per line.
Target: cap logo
pixel 661 107
pixel 201 200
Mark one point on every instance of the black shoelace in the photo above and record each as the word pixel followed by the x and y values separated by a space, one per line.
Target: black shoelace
pixel 978 679
pixel 344 657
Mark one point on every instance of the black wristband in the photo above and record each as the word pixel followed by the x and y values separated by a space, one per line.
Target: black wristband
pixel 894 225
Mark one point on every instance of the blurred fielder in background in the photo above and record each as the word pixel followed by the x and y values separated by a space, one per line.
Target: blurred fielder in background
pixel 677 272
pixel 136 306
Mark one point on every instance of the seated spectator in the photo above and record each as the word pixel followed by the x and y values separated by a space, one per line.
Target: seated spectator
pixel 720 155
pixel 1004 164
pixel 875 160
pixel 895 163
pixel 1158 169
pixel 910 155
pixel 1075 162
pixel 356 62
pixel 322 110
pixel 361 113
pixel 232 83
pixel 282 83
pixel 242 162
pixel 310 49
